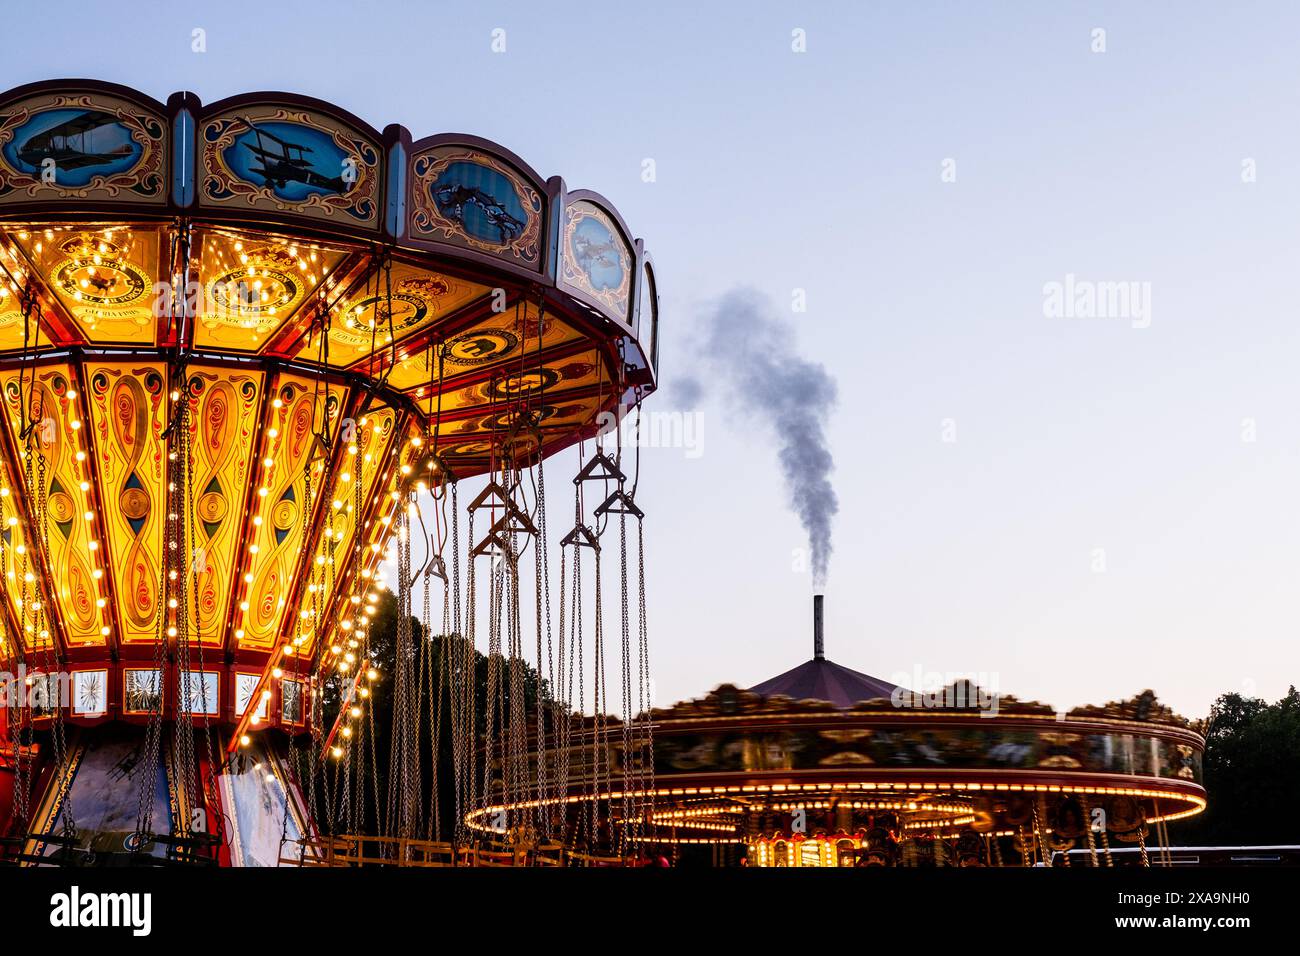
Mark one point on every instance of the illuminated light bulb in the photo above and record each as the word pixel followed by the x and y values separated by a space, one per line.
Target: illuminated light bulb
pixel 100 602
pixel 85 486
pixel 277 403
pixel 347 731
pixel 243 605
pixel 253 549
pixel 171 631
pixel 277 673
pixel 255 719
pixel 248 578
pixel 263 491
pixel 239 633
pixel 244 740
pixel 171 602
pixel 92 545
pixel 372 674
pixel 257 520
pixel 268 462
pixel 364 692
pixel 75 424
pixel 355 711
pixel 89 516
pixel 336 752
pixel 97 573
pixel 344 667
pixel 72 394
pixel 266 695
pixel 273 432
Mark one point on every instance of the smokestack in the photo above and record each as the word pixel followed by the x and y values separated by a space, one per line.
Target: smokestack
pixel 819 647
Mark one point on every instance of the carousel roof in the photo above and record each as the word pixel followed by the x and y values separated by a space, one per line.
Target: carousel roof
pixel 820 679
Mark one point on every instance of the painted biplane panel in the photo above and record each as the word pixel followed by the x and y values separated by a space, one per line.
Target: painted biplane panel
pixel 81 147
pixel 127 418
pixel 74 553
pixel 288 160
pixel 596 259
pixel 223 431
pixel 469 198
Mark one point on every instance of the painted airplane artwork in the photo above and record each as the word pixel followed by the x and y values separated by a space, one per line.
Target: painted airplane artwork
pixel 481 201
pixel 78 144
pixel 291 160
pixel 597 253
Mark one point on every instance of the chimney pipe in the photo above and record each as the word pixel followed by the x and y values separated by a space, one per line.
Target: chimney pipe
pixel 819 648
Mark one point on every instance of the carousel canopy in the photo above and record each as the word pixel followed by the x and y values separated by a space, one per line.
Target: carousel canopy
pixel 820 679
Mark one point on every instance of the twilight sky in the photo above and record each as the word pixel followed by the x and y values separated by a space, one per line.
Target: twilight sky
pixel 1161 444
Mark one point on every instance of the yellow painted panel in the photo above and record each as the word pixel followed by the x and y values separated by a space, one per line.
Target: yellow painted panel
pixel 252 287
pixel 68 535
pixel 128 416
pixel 223 430
pixel 365 322
pixel 279 513
pixel 15 544
pixel 364 469
pixel 103 278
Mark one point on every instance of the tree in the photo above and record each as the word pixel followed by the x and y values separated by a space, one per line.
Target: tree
pixel 430 651
pixel 1252 773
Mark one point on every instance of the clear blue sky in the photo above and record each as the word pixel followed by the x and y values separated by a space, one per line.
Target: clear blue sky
pixel 821 171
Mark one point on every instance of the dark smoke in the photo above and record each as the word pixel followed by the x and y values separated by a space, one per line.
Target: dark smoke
pixel 686 392
pixel 753 350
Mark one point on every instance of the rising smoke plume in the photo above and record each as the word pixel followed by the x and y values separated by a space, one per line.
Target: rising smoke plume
pixel 753 352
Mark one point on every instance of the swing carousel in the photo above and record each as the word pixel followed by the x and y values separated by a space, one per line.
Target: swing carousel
pixel 249 352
